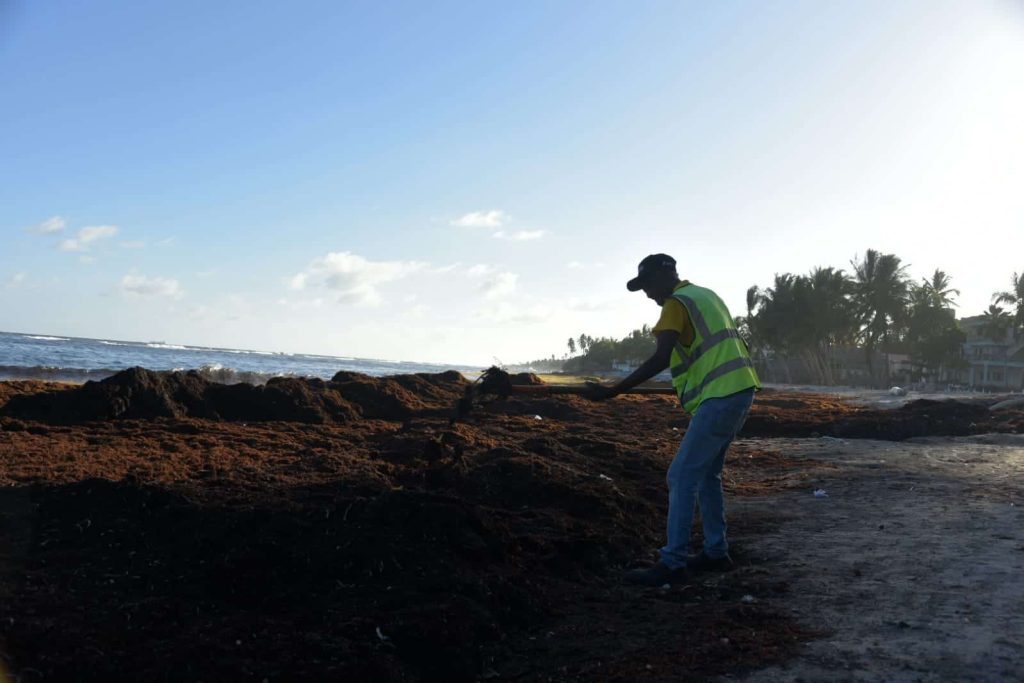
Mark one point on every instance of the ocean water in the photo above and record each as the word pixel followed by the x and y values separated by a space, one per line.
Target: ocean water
pixel 72 359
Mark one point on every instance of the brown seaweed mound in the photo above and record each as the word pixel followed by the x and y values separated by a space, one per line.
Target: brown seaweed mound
pixel 400 396
pixel 525 379
pixel 141 394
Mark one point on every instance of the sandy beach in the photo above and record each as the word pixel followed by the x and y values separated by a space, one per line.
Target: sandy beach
pixel 163 528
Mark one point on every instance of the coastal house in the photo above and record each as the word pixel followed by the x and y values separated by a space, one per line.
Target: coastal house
pixel 994 364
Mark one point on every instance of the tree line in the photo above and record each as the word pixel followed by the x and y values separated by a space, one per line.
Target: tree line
pixel 820 319
pixel 875 308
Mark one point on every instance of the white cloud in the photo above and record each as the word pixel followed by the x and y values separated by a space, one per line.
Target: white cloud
pixel 302 304
pixel 585 306
pixel 520 315
pixel 520 235
pixel 353 278
pixel 48 227
pixel 502 284
pixel 133 244
pixel 482 219
pixel 87 236
pixel 141 286
pixel 577 265
pixel 16 280
pixel 479 270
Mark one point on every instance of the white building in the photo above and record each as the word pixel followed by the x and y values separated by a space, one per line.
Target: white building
pixel 996 364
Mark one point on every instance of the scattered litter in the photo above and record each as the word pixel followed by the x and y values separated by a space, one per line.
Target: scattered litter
pixel 666 586
pixel 675 429
pixel 748 599
pixel 897 391
pixel 383 638
pixel 604 476
pixel 820 493
pixel 537 417
pixel 832 439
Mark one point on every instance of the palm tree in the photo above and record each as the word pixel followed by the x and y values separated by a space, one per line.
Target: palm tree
pixel 881 296
pixel 937 290
pixel 1014 297
pixel 995 323
pixel 802 316
pixel 832 320
pixel 775 318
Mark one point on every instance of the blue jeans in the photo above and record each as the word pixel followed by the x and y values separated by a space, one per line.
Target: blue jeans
pixel 696 473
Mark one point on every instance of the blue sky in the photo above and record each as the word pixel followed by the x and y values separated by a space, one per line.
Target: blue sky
pixel 466 181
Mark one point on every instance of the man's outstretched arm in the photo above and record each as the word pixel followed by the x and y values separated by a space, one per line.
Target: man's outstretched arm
pixel 658 361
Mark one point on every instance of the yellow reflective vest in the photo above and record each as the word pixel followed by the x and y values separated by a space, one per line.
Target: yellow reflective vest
pixel 717 363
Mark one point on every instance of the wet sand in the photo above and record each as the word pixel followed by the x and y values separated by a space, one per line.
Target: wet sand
pixel 348 531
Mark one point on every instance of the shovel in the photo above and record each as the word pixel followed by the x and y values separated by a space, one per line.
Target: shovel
pixel 497 383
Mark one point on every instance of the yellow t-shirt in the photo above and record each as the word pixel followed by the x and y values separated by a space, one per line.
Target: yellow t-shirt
pixel 674 316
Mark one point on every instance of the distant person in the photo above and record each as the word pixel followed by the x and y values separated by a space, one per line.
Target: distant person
pixel 715 379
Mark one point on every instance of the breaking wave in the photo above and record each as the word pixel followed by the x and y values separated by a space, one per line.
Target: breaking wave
pixel 44 338
pixel 214 373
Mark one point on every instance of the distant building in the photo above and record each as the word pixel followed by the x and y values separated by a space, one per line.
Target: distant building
pixel 996 364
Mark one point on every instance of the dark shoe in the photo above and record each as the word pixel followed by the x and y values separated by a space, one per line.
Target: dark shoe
pixel 656 575
pixel 702 563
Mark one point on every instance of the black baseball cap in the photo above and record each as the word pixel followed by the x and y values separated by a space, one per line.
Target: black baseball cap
pixel 650 265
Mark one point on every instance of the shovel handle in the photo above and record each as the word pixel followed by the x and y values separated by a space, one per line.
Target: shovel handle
pixel 543 389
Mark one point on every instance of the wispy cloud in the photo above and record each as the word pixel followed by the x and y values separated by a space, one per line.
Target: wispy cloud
pixel 132 244
pixel 136 285
pixel 578 265
pixel 519 235
pixel 495 284
pixel 48 227
pixel 86 237
pixel 16 280
pixel 482 219
pixel 353 278
pixel 501 284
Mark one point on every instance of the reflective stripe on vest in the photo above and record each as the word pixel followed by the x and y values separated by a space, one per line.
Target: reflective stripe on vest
pixel 723 369
pixel 716 363
pixel 698 351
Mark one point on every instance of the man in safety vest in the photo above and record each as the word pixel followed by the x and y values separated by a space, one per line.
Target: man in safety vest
pixel 715 380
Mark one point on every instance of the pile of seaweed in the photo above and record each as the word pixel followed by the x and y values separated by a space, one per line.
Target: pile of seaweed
pixel 817 415
pixel 143 394
pixel 171 550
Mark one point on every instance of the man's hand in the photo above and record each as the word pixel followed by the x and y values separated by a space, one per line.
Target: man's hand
pixel 598 392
